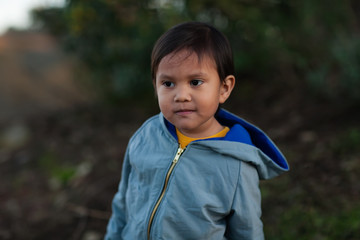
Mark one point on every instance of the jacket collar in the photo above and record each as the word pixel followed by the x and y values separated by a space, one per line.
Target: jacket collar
pixel 242 132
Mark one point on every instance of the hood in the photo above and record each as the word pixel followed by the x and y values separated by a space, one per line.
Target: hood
pixel 247 143
pixel 257 148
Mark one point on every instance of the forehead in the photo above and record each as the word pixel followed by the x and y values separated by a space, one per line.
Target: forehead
pixel 187 58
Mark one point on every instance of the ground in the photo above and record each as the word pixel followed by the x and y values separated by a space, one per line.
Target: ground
pixel 60 170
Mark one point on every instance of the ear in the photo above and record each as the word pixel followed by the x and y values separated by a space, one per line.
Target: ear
pixel 226 88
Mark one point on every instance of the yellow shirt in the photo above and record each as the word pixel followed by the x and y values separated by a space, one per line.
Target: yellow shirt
pixel 185 140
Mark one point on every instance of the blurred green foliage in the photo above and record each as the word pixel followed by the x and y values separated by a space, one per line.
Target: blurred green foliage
pixel 59 173
pixel 348 142
pixel 315 42
pixel 303 223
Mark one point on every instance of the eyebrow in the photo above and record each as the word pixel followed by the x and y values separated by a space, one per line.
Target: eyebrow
pixel 165 76
pixel 194 75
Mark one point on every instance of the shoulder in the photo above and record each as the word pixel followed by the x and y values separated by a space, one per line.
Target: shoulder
pixel 153 129
pixel 148 125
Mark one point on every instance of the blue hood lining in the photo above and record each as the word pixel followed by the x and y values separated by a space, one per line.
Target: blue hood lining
pixel 258 138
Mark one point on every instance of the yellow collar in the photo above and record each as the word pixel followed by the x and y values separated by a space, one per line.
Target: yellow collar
pixel 185 140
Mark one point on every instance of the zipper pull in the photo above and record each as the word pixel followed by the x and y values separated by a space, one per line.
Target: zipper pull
pixel 178 154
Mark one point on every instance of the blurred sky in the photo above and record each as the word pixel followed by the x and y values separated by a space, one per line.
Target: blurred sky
pixel 16 13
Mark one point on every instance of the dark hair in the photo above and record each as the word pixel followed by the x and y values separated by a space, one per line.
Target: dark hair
pixel 197 37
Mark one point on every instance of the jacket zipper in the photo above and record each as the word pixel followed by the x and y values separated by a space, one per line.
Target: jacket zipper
pixel 174 162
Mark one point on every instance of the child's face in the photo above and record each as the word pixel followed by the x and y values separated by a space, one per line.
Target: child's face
pixel 189 92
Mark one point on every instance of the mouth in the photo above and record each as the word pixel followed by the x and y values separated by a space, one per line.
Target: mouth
pixel 184 112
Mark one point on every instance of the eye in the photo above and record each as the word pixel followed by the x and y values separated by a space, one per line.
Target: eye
pixel 168 84
pixel 196 82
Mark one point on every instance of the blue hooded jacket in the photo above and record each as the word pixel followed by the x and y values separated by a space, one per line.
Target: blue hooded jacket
pixel 210 190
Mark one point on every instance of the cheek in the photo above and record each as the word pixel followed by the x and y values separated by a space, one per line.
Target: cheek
pixel 210 98
pixel 163 101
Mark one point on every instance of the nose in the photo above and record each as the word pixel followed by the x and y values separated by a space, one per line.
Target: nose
pixel 182 94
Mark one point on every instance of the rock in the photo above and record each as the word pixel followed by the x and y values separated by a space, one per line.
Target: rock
pixel 14 136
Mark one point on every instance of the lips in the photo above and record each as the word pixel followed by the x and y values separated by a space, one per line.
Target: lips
pixel 184 112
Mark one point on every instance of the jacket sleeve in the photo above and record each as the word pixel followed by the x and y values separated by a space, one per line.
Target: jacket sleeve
pixel 244 221
pixel 119 215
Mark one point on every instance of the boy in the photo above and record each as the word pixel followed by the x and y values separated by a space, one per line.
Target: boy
pixel 192 172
